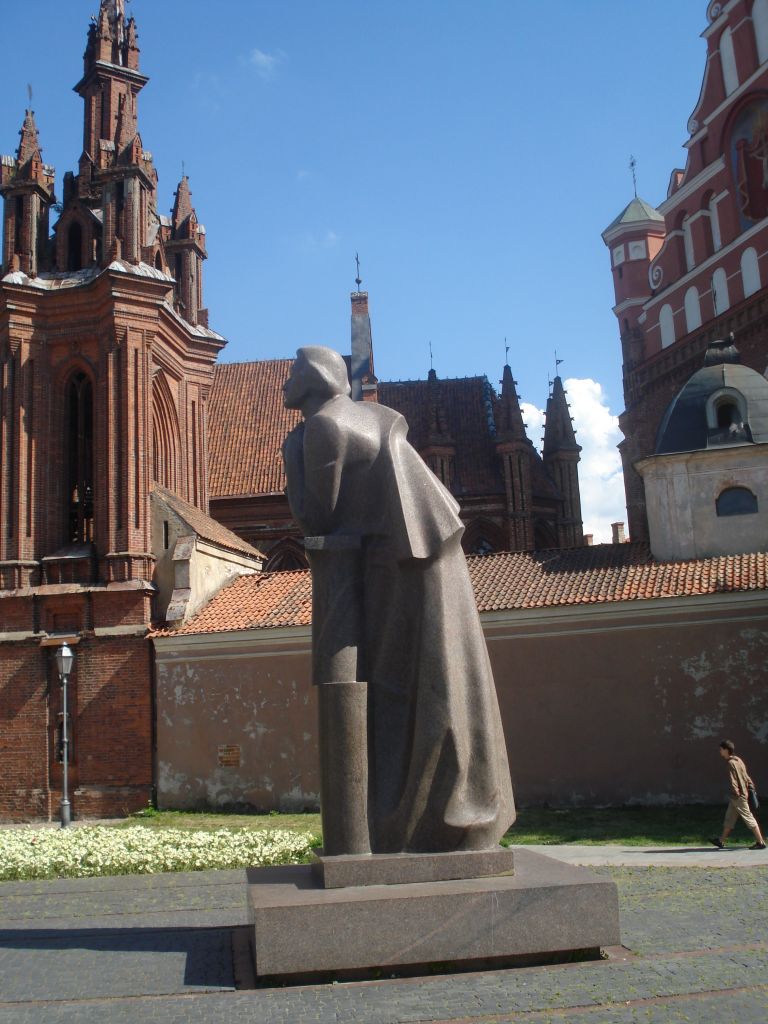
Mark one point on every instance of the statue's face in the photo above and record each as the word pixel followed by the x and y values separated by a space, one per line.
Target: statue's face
pixel 297 387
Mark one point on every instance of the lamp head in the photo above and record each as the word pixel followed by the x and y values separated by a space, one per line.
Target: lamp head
pixel 64 660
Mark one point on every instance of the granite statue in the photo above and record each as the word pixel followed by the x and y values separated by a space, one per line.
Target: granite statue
pixel 413 757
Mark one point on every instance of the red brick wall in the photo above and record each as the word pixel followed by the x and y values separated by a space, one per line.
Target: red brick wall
pixel 110 702
pixel 24 746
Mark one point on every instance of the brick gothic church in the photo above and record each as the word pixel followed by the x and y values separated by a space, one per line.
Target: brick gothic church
pixel 118 435
pixel 695 269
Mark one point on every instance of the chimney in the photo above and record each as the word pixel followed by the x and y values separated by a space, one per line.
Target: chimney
pixel 618 533
pixel 362 378
pixel 589 539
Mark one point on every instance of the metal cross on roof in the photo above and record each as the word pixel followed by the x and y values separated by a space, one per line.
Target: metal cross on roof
pixel 633 169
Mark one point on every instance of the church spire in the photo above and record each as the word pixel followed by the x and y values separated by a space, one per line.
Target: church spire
pixel 186 251
pixel 182 207
pixel 561 459
pixel 559 434
pixel 29 146
pixel 26 185
pixel 510 422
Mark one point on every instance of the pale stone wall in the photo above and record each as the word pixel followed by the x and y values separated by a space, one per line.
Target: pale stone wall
pixel 236 721
pixel 681 491
pixel 188 569
pixel 612 704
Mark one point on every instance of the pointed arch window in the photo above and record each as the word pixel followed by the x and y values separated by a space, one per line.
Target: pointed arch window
pixel 75 247
pixel 165 434
pixel 80 459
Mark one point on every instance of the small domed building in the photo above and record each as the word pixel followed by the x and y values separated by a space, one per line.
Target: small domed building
pixel 706 486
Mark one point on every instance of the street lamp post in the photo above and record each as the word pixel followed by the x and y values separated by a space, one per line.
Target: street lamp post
pixel 64 661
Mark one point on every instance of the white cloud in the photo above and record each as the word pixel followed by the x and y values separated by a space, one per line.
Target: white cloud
pixel 534 422
pixel 265 63
pixel 601 482
pixel 600 477
pixel 312 242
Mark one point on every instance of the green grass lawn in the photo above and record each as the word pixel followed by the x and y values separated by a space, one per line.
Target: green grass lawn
pixel 622 826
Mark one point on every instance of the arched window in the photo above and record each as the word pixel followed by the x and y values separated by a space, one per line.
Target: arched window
pixel 80 459
pixel 667 326
pixel 287 555
pixel 75 246
pixel 158 261
pixel 736 501
pixel 720 298
pixel 750 272
pixel 165 434
pixel 728 62
pixel 760 24
pixel 692 310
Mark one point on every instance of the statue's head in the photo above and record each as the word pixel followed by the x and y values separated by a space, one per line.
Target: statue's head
pixel 317 373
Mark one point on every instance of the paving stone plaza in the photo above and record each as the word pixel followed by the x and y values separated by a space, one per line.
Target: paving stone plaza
pixel 173 948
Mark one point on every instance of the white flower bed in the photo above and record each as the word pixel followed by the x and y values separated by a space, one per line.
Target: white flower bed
pixel 96 850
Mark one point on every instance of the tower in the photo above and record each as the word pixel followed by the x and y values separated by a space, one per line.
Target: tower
pixel 106 364
pixel 561 459
pixel 694 269
pixel 26 185
pixel 515 451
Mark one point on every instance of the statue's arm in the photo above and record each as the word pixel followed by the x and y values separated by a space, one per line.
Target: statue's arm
pixel 293 459
pixel 325 452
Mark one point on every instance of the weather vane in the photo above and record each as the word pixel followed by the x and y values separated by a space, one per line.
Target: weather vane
pixel 29 93
pixel 633 169
pixel 557 363
pixel 506 351
pixel 430 356
pixel 358 279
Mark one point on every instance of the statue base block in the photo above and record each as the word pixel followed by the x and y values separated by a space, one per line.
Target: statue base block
pixel 336 872
pixel 544 911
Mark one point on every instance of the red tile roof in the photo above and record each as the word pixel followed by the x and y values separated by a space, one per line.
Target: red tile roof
pixel 468 407
pixel 247 425
pixel 602 574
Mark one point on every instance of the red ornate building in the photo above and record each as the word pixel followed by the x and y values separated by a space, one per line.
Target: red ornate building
pixel 695 269
pixel 106 364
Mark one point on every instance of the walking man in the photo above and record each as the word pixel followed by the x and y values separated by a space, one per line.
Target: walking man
pixel 738 806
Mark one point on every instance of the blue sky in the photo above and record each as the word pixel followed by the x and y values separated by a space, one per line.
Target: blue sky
pixel 472 152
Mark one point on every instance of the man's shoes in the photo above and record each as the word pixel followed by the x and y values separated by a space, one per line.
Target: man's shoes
pixel 718 843
pixel 757 846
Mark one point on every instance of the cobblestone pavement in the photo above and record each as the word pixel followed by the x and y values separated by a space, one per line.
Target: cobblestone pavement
pixel 169 948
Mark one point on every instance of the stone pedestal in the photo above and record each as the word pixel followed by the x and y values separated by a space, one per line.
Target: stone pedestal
pixel 544 909
pixel 337 872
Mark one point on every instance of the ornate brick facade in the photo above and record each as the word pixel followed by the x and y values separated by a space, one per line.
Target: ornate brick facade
pixel 106 364
pixel 695 269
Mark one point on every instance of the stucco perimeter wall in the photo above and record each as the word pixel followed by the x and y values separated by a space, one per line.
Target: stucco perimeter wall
pixel 611 704
pixel 236 721
pixel 627 703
